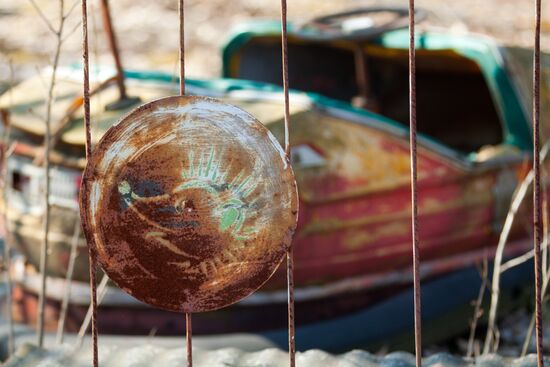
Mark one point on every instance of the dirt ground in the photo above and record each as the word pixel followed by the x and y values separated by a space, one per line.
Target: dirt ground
pixel 148 30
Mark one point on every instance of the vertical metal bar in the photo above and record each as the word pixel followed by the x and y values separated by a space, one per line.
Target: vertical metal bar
pixel 188 339
pixel 361 76
pixel 290 300
pixel 285 74
pixel 290 253
pixel 188 316
pixel 111 37
pixel 101 290
pixel 7 247
pixel 182 46
pixel 91 250
pixel 414 192
pixel 536 185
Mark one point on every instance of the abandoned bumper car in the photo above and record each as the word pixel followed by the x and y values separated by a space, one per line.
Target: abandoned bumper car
pixel 349 138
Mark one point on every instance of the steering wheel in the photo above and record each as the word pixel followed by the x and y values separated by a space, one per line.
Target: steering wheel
pixel 358 24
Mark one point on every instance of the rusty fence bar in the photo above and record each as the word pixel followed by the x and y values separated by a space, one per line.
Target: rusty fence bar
pixel 181 10
pixel 189 339
pixel 113 45
pixel 181 56
pixel 289 254
pixel 86 105
pixel 537 224
pixel 414 192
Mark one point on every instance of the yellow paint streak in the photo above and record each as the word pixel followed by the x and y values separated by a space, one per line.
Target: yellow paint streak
pixel 428 207
pixel 358 239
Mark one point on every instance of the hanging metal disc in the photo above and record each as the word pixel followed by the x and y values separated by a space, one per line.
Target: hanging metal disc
pixel 190 203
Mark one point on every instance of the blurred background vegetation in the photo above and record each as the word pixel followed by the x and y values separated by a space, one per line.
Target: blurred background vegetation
pixel 148 30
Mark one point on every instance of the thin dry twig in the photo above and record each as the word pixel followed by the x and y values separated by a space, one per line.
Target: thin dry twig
pixel 32 112
pixel 521 258
pixel 517 200
pixel 531 327
pixel 43 82
pixel 71 32
pixel 477 308
pixel 71 9
pixel 546 274
pixel 44 18
pixel 101 290
pixel 68 281
pixel 46 219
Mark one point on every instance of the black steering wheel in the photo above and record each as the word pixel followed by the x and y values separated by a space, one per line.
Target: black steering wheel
pixel 358 24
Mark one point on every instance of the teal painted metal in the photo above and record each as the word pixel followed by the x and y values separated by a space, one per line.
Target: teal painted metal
pixel 332 106
pixel 484 51
pixel 486 54
pixel 227 85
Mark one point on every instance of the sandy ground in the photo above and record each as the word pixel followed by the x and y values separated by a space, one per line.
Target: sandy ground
pixel 148 30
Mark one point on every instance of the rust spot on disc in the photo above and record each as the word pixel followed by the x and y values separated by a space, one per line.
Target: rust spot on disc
pixel 189 204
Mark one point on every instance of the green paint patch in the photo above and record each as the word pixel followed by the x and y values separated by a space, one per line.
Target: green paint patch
pixel 231 201
pixel 229 217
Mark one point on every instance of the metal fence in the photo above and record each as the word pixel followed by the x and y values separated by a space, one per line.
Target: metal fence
pixel 416 260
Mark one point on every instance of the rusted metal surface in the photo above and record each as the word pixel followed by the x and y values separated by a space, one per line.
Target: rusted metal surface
pixel 188 339
pixel 537 204
pixel 354 194
pixel 181 11
pixel 92 261
pixel 191 204
pixel 414 190
pixel 354 229
pixel 290 252
pixel 111 38
pixel 362 100
pixel 188 316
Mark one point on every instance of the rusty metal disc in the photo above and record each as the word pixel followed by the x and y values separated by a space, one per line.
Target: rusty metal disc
pixel 189 203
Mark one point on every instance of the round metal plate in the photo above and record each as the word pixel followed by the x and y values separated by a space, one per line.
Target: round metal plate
pixel 189 203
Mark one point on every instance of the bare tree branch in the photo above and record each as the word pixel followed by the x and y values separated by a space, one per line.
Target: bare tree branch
pixel 522 258
pixel 46 218
pixel 101 290
pixel 41 78
pixel 41 15
pixel 70 33
pixel 477 308
pixel 545 272
pixel 531 327
pixel 517 200
pixel 71 9
pixel 68 281
pixel 32 112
